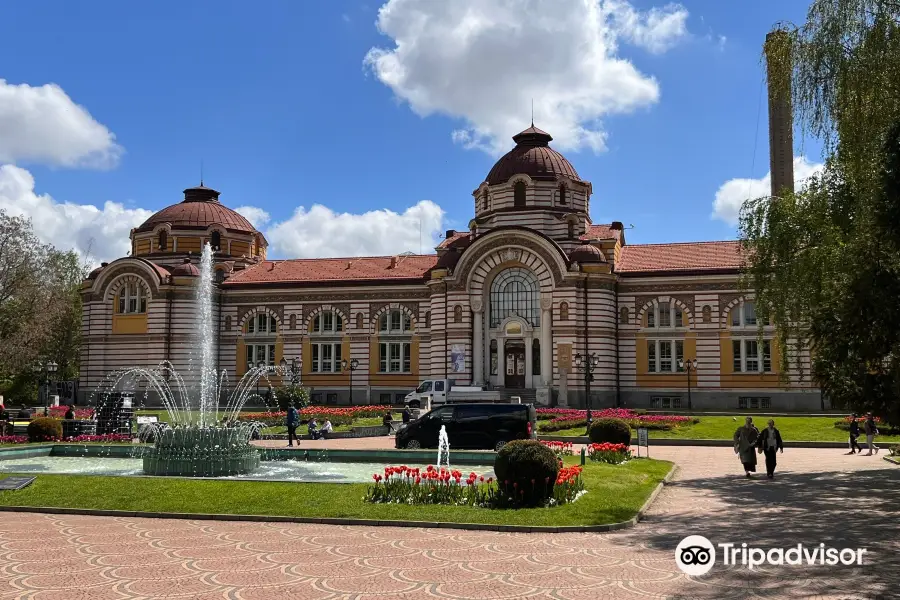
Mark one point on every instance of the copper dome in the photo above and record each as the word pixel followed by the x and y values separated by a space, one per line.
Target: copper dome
pixel 534 157
pixel 93 274
pixel 199 209
pixel 187 269
pixel 587 253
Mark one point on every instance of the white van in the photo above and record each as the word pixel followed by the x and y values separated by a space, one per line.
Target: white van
pixel 437 390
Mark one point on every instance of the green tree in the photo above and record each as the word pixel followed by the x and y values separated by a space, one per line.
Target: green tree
pixel 825 262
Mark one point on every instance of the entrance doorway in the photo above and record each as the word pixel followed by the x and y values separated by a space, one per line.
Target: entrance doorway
pixel 514 365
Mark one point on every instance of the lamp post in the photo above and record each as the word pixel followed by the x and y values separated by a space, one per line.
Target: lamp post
pixel 588 362
pixel 48 369
pixel 351 366
pixel 688 366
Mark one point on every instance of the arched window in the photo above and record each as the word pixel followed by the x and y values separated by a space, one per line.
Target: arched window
pixel 359 320
pixel 163 240
pixel 215 240
pixel 487 205
pixel 562 194
pixel 260 323
pixel 515 291
pixel 394 321
pixel 457 314
pixel 563 311
pixel 132 299
pixel 428 320
pixel 571 230
pixel 666 314
pixel 623 316
pixel 707 314
pixel 292 322
pixel 327 322
pixel 519 193
pixel 228 323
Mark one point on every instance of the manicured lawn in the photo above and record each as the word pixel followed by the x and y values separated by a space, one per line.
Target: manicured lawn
pixel 163 416
pixel 807 429
pixel 615 494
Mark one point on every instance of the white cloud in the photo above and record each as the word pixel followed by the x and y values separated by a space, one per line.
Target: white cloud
pixel 43 125
pixel 98 234
pixel 734 192
pixel 321 232
pixel 484 61
pixel 257 216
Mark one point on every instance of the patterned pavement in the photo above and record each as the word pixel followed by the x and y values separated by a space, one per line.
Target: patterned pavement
pixel 818 496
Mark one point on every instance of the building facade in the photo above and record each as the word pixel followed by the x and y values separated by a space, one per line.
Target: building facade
pixel 513 302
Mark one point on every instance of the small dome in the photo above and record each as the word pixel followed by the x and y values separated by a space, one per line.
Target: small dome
pixel 587 253
pixel 93 274
pixel 199 209
pixel 534 157
pixel 188 269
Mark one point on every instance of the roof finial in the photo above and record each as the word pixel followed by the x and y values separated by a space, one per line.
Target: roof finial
pixel 201 172
pixel 532 112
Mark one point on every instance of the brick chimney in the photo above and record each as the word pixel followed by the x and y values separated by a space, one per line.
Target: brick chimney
pixel 781 135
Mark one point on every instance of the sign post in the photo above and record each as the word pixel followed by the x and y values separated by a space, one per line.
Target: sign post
pixel 643 440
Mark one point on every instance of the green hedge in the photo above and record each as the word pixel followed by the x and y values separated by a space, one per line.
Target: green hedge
pixel 614 431
pixel 44 429
pixel 526 472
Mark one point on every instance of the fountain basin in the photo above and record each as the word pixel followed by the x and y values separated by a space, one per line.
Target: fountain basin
pixel 194 451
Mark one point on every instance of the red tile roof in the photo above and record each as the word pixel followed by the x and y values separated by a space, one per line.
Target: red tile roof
pixel 456 236
pixel 680 257
pixel 407 268
pixel 601 232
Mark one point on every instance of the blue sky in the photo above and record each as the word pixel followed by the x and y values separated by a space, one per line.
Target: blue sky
pixel 277 101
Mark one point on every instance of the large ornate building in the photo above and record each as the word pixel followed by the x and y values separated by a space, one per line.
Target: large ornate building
pixel 510 303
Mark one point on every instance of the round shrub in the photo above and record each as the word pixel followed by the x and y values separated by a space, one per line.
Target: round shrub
pixel 614 431
pixel 44 429
pixel 526 472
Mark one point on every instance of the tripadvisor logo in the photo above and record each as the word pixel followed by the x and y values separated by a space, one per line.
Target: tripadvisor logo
pixel 696 555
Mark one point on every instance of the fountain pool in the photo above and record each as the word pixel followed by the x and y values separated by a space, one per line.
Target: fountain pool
pixel 268 470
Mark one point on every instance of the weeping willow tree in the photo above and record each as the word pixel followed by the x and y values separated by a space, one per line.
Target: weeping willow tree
pixel 825 261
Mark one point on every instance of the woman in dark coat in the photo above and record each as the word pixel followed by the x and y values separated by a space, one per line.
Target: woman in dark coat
pixel 770 443
pixel 745 445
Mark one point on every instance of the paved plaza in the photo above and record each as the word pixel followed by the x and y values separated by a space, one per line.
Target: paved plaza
pixel 818 496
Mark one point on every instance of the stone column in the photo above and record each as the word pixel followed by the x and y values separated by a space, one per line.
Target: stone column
pixel 529 348
pixel 478 341
pixel 547 340
pixel 501 361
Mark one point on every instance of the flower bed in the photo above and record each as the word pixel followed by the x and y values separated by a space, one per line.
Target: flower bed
pixel 337 416
pixel 606 452
pixel 413 485
pixel 883 428
pixel 59 412
pixel 78 439
pixel 558 419
pixel 560 448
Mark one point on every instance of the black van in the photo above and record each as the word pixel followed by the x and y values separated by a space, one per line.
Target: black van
pixel 471 426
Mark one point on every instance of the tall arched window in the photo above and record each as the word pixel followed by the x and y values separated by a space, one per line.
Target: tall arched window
pixel 515 291
pixel 215 240
pixel 563 311
pixel 623 315
pixel 562 194
pixel 359 320
pixel 519 193
pixel 486 200
pixel 163 240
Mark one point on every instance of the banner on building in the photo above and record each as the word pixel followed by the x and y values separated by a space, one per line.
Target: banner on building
pixel 458 358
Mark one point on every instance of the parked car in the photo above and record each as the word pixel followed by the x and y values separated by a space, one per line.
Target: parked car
pixel 470 426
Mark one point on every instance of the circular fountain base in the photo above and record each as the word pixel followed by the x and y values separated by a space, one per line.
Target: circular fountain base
pixel 193 451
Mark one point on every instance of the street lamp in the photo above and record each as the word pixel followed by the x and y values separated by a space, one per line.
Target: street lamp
pixel 588 362
pixel 351 366
pixel 687 366
pixel 48 369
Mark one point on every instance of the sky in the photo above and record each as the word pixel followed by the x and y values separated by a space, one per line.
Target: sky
pixel 347 128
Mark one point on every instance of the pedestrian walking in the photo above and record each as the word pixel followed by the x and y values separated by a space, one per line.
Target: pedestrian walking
pixel 745 445
pixel 292 420
pixel 871 432
pixel 854 434
pixel 770 443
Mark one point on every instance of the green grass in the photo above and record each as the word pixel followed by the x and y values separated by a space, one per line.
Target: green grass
pixel 793 429
pixel 615 494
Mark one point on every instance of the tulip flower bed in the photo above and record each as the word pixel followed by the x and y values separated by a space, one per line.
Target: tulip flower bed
pixel 413 485
pixel 78 439
pixel 59 412
pixel 560 448
pixel 558 419
pixel 606 452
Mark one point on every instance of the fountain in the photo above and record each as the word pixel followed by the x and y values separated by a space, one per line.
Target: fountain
pixel 443 449
pixel 199 440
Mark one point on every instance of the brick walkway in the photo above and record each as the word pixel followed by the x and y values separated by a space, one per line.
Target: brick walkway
pixel 819 496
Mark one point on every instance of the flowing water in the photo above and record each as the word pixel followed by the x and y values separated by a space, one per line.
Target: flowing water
pixel 443 449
